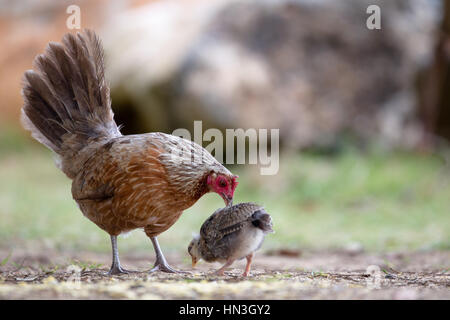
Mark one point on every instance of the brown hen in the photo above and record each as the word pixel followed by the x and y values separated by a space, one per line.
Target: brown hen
pixel 119 182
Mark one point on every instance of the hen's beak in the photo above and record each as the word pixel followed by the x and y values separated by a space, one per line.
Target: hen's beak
pixel 194 262
pixel 228 200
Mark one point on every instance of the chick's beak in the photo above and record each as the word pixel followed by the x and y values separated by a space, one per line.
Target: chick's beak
pixel 194 262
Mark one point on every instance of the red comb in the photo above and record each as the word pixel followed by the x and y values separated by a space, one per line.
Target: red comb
pixel 235 183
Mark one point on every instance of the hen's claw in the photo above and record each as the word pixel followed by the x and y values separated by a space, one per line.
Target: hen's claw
pixel 116 270
pixel 164 267
pixel 161 263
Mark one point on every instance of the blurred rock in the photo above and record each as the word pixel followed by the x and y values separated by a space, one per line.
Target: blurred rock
pixel 434 88
pixel 27 26
pixel 312 69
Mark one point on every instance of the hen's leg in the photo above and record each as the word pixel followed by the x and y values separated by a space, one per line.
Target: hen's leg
pixel 116 268
pixel 226 265
pixel 249 263
pixel 161 262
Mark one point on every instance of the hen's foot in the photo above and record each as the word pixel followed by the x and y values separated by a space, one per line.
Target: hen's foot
pixel 116 270
pixel 165 267
pixel 161 263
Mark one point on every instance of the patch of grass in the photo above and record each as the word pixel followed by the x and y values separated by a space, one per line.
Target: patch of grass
pixel 383 201
pixel 17 266
pixel 5 260
pixel 13 140
pixel 49 269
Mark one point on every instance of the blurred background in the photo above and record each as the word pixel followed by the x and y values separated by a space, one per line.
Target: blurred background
pixel 364 115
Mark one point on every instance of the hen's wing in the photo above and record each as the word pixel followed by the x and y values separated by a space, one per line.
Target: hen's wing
pixel 123 184
pixel 113 164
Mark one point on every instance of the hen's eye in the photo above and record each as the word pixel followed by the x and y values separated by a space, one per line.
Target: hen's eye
pixel 222 183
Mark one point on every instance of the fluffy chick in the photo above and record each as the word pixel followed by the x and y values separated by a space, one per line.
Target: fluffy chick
pixel 231 233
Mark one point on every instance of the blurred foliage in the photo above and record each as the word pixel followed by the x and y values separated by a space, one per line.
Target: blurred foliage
pixel 12 139
pixel 380 200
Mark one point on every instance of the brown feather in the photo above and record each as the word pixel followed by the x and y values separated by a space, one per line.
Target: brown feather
pixel 67 105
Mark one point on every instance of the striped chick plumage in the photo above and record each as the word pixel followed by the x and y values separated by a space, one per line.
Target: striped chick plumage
pixel 230 234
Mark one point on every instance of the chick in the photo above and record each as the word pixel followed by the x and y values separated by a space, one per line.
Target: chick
pixel 231 233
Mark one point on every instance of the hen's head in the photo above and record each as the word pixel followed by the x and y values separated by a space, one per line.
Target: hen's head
pixel 223 184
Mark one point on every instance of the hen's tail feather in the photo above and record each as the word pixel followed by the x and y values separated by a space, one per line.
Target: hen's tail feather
pixel 262 220
pixel 66 97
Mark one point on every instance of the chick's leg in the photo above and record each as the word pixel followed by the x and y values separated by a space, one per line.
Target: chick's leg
pixel 161 262
pixel 226 265
pixel 116 268
pixel 249 263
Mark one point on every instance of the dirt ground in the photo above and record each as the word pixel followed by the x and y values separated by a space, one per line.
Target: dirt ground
pixel 275 275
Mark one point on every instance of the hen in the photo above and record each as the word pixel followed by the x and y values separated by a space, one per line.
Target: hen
pixel 230 234
pixel 119 182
